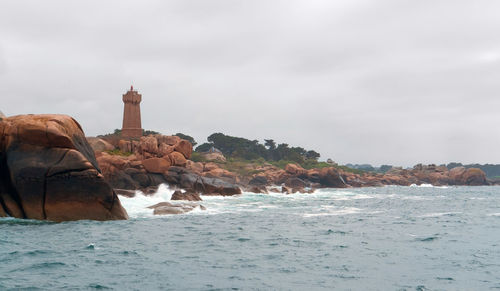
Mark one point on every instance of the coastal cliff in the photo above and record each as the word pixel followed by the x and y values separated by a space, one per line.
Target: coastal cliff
pixel 48 171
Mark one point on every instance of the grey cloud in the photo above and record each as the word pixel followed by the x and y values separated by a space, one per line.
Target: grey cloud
pixel 360 81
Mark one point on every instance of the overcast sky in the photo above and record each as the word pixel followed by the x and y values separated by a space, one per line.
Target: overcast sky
pixel 360 81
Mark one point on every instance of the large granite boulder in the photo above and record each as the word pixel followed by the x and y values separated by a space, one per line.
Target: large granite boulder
pixel 188 196
pixel 48 171
pixel 474 177
pixel 99 145
pixel 330 177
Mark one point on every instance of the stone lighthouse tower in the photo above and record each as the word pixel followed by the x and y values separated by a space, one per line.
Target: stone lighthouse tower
pixel 132 114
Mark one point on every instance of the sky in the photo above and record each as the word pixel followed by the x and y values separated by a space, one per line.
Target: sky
pixel 382 82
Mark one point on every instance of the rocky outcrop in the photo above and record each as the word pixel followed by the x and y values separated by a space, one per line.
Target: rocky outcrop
pixel 143 163
pixel 214 156
pixel 99 145
pixel 471 176
pixel 188 196
pixel 185 179
pixel 48 171
pixel 157 159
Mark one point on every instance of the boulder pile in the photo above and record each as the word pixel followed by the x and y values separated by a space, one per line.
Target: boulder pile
pixel 155 159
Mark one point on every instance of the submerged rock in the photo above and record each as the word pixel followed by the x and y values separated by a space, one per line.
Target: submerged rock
pixel 48 171
pixel 165 208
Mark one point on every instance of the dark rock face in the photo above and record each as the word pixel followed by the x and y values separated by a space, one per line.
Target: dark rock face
pixel 330 177
pixel 48 171
pixel 258 181
pixel 209 186
pixel 295 183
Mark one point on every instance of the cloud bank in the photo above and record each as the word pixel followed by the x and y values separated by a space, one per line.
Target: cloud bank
pixel 397 82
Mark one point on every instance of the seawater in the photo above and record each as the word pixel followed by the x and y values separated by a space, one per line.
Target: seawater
pixel 390 238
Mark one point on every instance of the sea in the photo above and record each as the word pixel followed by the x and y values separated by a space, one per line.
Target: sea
pixel 387 238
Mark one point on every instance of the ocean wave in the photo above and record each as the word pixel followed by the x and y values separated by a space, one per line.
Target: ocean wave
pixel 137 206
pixel 342 211
pixel 439 214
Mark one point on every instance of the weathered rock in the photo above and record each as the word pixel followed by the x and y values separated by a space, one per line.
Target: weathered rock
pixel 286 190
pixel 165 149
pixel 149 144
pixel 165 208
pixel 295 183
pixel 195 167
pixel 474 177
pixel 210 166
pixel 49 171
pixel 125 192
pixel 257 189
pixel 177 159
pixel 258 181
pixel 456 174
pixel 125 146
pixel 274 190
pixel 99 145
pixel 156 165
pixel 294 169
pixel 190 181
pixel 189 196
pixel 184 147
pixel 169 140
pixel 151 190
pixel 214 156
pixel 330 177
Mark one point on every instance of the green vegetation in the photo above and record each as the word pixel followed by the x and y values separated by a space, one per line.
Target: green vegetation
pixel 117 152
pixel 148 132
pixel 118 133
pixel 237 147
pixel 197 157
pixel 351 170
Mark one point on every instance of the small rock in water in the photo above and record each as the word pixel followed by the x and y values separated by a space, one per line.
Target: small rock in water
pixel 164 208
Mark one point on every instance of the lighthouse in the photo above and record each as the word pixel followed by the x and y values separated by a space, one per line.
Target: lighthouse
pixel 132 127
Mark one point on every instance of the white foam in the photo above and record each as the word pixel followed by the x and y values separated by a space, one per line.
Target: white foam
pixel 341 211
pixel 137 206
pixel 422 185
pixel 438 214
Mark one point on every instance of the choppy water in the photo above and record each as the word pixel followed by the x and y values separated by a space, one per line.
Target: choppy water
pixel 391 238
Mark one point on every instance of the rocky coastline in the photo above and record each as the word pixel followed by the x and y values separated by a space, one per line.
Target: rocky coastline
pixel 157 159
pixel 49 170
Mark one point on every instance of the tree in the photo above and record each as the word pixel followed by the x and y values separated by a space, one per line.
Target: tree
pixel 385 168
pixel 146 132
pixel 312 155
pixel 270 144
pixel 203 148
